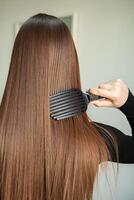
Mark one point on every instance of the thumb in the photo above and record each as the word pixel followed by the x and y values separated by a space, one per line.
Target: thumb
pixel 102 103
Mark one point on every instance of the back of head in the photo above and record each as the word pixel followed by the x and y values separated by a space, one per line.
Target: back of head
pixel 41 158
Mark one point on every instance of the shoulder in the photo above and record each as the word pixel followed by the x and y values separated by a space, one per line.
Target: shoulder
pixel 110 135
pixel 108 127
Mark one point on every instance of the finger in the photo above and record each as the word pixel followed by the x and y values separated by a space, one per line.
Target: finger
pixel 107 86
pixel 102 103
pixel 101 92
pixel 112 81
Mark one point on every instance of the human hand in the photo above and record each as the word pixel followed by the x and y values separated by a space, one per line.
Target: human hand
pixel 115 93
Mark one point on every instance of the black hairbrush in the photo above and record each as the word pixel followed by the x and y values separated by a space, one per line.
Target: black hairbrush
pixel 70 102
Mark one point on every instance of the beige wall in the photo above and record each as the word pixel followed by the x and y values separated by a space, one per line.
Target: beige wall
pixel 105 47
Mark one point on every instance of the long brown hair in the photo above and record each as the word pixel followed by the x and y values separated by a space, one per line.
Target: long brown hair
pixel 41 158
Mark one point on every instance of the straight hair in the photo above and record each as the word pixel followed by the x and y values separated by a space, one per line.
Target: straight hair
pixel 41 158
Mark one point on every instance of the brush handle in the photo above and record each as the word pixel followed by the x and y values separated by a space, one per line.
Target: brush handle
pixel 92 97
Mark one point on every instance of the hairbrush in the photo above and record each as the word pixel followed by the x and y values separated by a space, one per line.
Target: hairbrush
pixel 70 102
